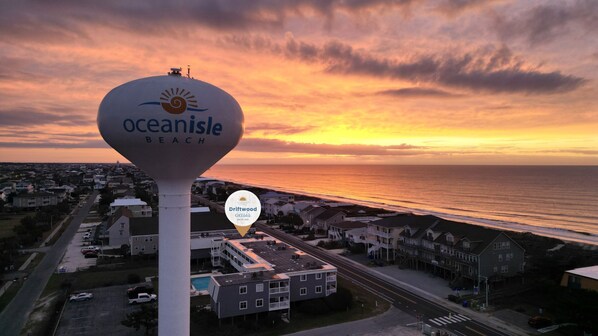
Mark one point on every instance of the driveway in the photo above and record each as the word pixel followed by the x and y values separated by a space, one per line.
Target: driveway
pixel 100 316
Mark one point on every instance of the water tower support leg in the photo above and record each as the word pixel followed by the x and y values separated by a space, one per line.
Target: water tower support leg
pixel 174 258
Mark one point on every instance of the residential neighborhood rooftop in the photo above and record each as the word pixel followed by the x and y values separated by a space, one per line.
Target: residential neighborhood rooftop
pixel 588 272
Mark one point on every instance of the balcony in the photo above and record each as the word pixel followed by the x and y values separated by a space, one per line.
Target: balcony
pixel 379 233
pixel 279 305
pixel 330 290
pixel 276 290
pixel 331 278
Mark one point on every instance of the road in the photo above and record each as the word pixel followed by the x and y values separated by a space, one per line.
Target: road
pixel 14 316
pixel 436 315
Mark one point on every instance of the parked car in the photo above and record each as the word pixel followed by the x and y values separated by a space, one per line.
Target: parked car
pixel 539 322
pixel 90 249
pixel 143 298
pixel 133 291
pixel 90 255
pixel 81 297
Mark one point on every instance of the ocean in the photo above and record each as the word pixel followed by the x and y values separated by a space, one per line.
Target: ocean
pixel 556 201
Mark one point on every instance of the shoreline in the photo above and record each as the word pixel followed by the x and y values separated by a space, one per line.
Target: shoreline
pixel 568 236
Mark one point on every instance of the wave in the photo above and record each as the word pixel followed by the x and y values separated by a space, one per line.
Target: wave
pixel 479 219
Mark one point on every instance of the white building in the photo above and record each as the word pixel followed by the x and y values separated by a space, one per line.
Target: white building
pixel 137 207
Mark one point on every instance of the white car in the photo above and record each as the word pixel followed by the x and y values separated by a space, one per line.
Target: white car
pixel 81 297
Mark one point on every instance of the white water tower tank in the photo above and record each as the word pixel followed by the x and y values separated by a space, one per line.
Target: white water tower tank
pixel 174 128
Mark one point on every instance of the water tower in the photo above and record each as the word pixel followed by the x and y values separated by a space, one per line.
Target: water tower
pixel 174 128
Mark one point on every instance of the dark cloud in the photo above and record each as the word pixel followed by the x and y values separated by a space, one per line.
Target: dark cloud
pixel 544 22
pixel 54 144
pixel 279 146
pixel 28 117
pixel 494 70
pixel 591 152
pixel 278 129
pixel 454 7
pixel 416 92
pixel 66 19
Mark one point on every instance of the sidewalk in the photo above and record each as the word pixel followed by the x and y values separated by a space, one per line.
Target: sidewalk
pixel 391 322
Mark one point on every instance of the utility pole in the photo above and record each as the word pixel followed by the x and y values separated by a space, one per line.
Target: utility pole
pixel 486 284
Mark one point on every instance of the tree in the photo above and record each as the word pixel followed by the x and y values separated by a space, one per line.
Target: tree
pixel 146 317
pixel 106 197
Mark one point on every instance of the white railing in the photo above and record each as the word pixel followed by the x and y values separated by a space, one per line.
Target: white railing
pixel 279 305
pixel 330 291
pixel 331 278
pixel 279 290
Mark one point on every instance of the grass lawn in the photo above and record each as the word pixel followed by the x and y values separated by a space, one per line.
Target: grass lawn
pixel 365 304
pixel 9 220
pixel 95 278
pixel 9 294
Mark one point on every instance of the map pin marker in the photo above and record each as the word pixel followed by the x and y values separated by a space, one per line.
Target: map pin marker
pixel 242 208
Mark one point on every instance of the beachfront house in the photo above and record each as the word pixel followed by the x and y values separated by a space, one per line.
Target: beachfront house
pixel 339 231
pixel 455 250
pixel 330 216
pixel 271 275
pixel 308 214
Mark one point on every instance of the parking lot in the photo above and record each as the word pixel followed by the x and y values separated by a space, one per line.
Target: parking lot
pixel 100 316
pixel 73 259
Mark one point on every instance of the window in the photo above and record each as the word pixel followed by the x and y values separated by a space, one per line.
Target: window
pixel 465 244
pixel 504 269
pixel 303 277
pixel 495 269
pixel 500 258
pixel 318 289
pixel 318 276
pixel 242 305
pixel 502 245
pixel 243 290
pixel 303 291
pixel 449 238
pixel 259 288
pixel 259 303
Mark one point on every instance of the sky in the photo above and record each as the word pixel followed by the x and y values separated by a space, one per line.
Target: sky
pixel 320 82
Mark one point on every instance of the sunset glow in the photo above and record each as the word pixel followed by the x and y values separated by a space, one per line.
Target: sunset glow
pixel 379 82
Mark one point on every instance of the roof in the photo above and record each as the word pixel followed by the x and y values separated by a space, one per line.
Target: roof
pixel 200 209
pixel 416 222
pixel 39 194
pixel 327 214
pixel 122 211
pixel 588 272
pixel 242 278
pixel 347 225
pixel 200 222
pixel 280 256
pixel 127 202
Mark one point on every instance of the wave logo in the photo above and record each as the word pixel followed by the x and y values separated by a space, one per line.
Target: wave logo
pixel 177 101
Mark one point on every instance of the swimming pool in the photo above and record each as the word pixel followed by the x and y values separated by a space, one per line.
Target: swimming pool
pixel 200 283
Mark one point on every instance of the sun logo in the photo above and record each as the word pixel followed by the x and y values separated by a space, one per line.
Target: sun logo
pixel 177 101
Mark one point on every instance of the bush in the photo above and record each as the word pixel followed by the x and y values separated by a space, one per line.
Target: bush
pixel 133 278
